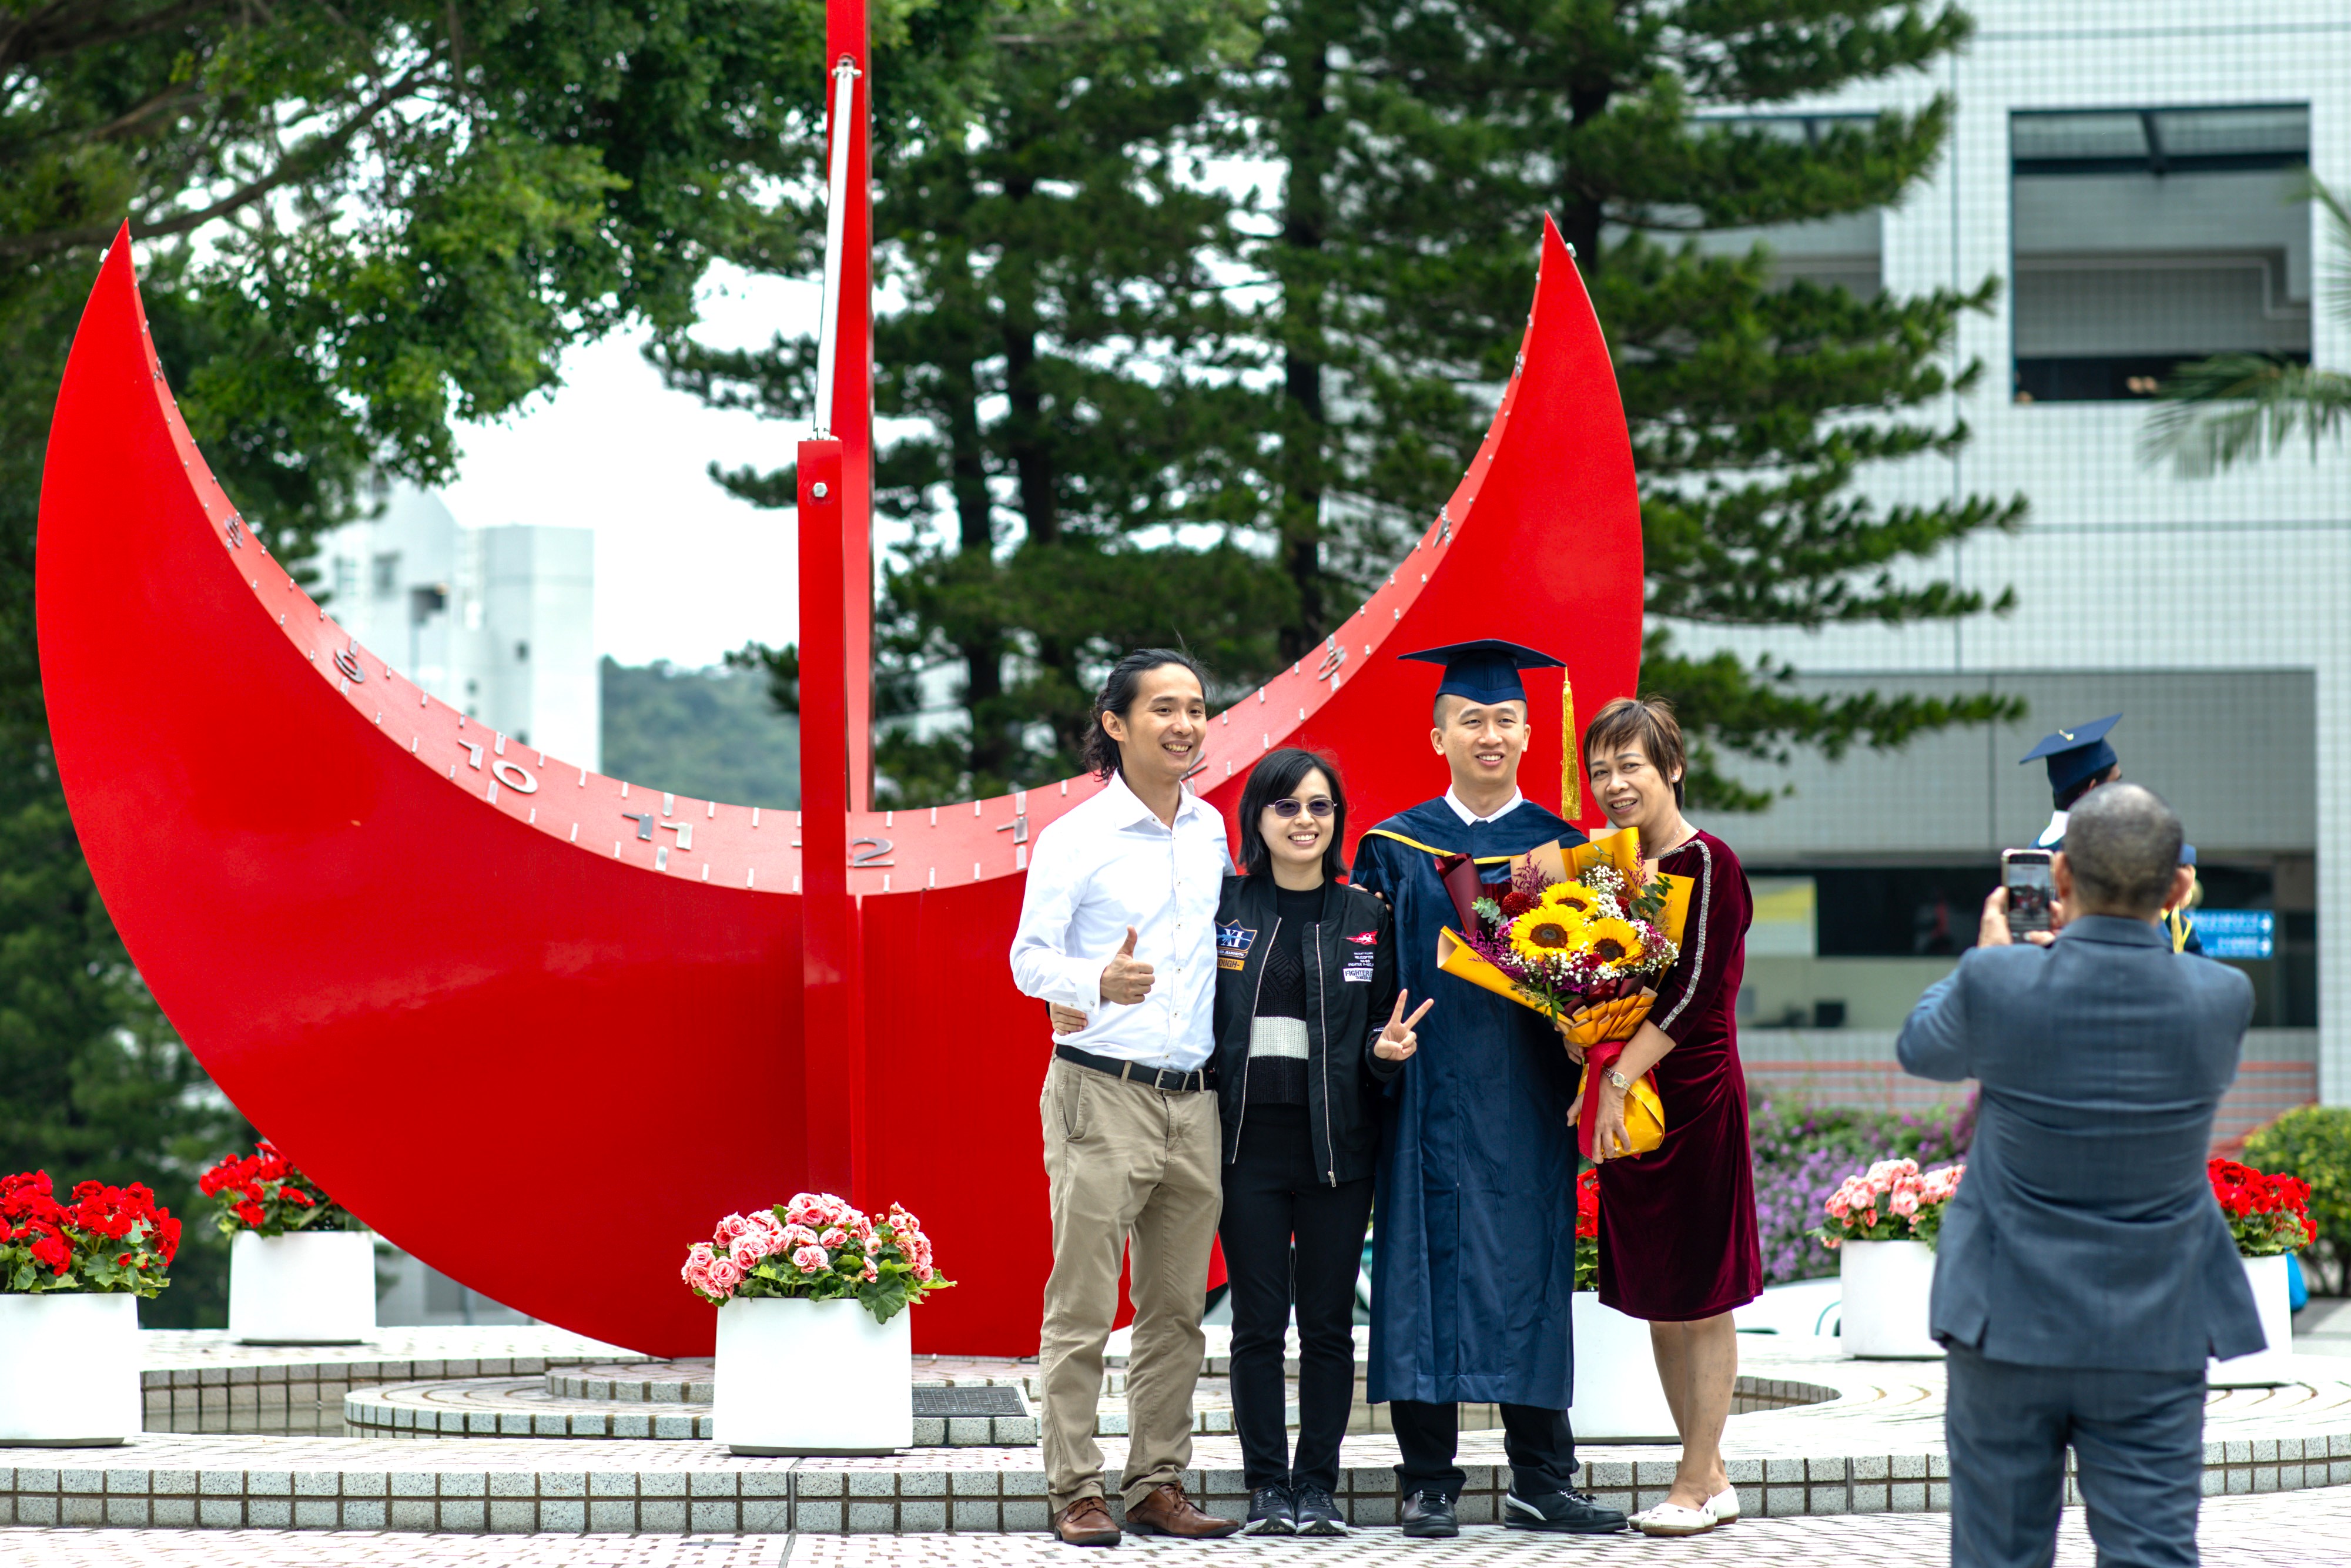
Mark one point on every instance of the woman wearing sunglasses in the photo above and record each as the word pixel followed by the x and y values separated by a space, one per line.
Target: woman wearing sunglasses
pixel 1310 1029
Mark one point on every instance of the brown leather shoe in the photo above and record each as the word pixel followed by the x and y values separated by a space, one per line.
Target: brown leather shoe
pixel 1166 1510
pixel 1087 1522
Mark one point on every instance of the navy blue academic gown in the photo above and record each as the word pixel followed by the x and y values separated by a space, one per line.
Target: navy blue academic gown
pixel 1473 1237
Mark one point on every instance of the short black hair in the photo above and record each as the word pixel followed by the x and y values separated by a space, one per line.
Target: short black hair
pixel 2064 799
pixel 1274 778
pixel 2122 845
pixel 1119 691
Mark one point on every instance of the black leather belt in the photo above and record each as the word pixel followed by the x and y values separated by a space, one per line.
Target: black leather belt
pixel 1164 1077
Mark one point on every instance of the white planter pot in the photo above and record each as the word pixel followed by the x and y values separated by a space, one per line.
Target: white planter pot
pixel 304 1289
pixel 813 1378
pixel 1617 1397
pixel 1886 1289
pixel 2264 1368
pixel 71 1370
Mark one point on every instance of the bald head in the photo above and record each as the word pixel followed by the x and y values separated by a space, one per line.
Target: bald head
pixel 2122 846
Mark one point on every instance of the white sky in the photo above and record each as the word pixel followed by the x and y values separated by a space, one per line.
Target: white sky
pixel 683 570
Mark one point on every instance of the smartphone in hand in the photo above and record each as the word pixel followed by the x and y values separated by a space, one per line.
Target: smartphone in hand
pixel 2032 889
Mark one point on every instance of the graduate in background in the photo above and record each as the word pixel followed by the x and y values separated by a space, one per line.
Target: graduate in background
pixel 1473 1231
pixel 2079 760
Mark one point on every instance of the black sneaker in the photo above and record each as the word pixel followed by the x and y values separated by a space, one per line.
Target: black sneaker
pixel 1572 1512
pixel 1318 1512
pixel 1270 1512
pixel 1429 1514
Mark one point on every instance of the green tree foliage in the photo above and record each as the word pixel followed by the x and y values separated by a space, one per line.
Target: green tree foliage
pixel 2214 413
pixel 711 733
pixel 1097 342
pixel 2314 1144
pixel 1067 346
pixel 355 224
pixel 1422 147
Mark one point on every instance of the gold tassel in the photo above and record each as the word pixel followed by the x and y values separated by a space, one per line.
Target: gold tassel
pixel 1570 777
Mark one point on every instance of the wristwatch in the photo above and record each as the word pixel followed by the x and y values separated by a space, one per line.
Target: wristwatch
pixel 1616 1081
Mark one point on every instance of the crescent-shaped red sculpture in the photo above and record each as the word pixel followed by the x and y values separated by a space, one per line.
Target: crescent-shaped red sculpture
pixel 541 1028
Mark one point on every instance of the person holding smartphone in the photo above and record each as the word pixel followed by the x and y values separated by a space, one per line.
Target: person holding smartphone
pixel 1310 1028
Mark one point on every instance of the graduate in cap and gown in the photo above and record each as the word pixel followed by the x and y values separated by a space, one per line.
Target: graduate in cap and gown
pixel 1473 1263
pixel 2079 760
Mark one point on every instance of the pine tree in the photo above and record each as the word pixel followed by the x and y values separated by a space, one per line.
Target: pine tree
pixel 1422 146
pixel 1066 346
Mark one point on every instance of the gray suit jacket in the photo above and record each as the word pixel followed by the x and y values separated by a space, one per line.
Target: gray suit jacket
pixel 2085 1233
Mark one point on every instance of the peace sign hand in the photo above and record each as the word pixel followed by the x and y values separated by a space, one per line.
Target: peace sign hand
pixel 1397 1041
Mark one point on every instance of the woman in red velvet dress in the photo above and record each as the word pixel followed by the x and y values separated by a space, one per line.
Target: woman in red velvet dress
pixel 1678 1240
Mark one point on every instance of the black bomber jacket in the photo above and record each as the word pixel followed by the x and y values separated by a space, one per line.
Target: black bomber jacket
pixel 1350 984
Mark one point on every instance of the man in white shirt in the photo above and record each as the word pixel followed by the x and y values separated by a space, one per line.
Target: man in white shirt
pixel 1118 921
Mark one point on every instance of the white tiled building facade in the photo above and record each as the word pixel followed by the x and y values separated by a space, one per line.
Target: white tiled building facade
pixel 2129 170
pixel 496 622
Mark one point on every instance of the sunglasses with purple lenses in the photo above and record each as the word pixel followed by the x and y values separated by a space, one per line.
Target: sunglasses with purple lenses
pixel 1321 806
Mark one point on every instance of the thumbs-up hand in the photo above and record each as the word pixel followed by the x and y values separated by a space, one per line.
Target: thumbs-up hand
pixel 1397 1041
pixel 1125 979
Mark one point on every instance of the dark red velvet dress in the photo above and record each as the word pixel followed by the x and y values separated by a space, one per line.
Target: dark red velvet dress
pixel 1677 1237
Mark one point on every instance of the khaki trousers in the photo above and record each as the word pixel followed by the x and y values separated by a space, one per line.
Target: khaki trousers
pixel 1132 1170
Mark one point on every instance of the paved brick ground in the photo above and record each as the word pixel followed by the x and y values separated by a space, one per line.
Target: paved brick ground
pixel 2298 1530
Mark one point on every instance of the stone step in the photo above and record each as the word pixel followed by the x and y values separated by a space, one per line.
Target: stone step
pixel 531 1407
pixel 1875 1446
pixel 946 1416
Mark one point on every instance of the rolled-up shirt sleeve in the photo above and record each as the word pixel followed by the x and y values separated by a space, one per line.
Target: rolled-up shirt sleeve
pixel 1043 965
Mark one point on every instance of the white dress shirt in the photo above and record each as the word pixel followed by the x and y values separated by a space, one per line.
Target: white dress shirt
pixel 1109 864
pixel 1471 818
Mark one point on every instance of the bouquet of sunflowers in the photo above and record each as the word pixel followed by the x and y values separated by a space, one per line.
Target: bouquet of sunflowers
pixel 1582 936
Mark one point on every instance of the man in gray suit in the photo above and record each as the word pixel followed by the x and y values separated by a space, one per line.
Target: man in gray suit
pixel 2084 1272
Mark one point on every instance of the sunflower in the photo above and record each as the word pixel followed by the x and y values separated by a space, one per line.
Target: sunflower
pixel 1571 898
pixel 1548 931
pixel 1609 941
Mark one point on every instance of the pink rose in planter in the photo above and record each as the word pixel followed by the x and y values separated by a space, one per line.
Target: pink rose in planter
pixel 797 1236
pixel 722 1275
pixel 730 1227
pixel 810 1260
pixel 1903 1203
pixel 836 1236
pixel 746 1253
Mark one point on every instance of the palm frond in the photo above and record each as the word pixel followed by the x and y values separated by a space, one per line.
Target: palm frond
pixel 2338 271
pixel 2213 413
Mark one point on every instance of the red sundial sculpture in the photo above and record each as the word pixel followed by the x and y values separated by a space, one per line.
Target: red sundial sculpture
pixel 540 1029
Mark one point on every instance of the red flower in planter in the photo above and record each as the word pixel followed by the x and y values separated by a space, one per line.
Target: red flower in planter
pixel 262 1191
pixel 2267 1214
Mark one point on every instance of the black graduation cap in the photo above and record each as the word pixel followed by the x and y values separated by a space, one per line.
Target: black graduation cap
pixel 1485 671
pixel 2074 755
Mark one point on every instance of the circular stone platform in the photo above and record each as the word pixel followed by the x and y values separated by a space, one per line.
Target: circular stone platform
pixel 958 1403
pixel 1877 1446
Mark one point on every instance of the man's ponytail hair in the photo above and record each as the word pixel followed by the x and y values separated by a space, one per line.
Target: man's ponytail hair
pixel 1118 694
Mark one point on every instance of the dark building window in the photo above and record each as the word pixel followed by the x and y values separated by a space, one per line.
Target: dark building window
pixel 2146 238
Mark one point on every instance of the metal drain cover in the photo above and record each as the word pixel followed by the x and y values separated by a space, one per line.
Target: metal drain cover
pixel 1000 1401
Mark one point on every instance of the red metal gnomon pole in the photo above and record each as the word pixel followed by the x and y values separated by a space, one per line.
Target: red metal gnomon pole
pixel 836 592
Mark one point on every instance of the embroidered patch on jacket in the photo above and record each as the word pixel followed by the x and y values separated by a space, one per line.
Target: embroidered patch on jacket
pixel 1233 944
pixel 1364 938
pixel 1359 968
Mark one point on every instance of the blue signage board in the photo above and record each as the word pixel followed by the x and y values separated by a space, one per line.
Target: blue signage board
pixel 2236 933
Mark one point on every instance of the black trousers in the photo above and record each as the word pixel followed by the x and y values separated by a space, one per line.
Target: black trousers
pixel 2138 1453
pixel 1290 1239
pixel 1538 1442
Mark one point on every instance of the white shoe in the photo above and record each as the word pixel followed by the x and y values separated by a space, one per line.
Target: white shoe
pixel 1724 1506
pixel 1672 1518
